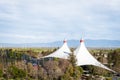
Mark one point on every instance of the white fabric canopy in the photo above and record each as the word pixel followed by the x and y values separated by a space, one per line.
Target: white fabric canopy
pixel 62 52
pixel 85 58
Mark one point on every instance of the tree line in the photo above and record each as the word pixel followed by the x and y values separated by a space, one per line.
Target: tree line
pixel 23 64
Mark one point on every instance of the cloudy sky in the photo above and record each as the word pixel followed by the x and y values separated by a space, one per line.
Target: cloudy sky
pixel 31 21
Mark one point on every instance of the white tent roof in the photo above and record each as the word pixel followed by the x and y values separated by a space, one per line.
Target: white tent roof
pixel 85 58
pixel 62 52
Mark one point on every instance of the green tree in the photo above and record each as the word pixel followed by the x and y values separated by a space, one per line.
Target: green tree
pixel 73 72
pixel 1 73
pixel 16 72
pixel 114 59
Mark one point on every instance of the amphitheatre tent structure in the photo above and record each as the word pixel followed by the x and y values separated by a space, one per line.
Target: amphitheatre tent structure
pixel 62 52
pixel 85 58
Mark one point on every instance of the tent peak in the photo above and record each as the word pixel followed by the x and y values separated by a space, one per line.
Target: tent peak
pixel 84 57
pixel 81 40
pixel 65 41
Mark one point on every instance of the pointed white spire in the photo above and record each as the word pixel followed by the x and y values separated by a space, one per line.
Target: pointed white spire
pixel 62 52
pixel 85 58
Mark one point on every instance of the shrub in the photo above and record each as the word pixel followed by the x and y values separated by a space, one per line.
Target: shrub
pixel 16 72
